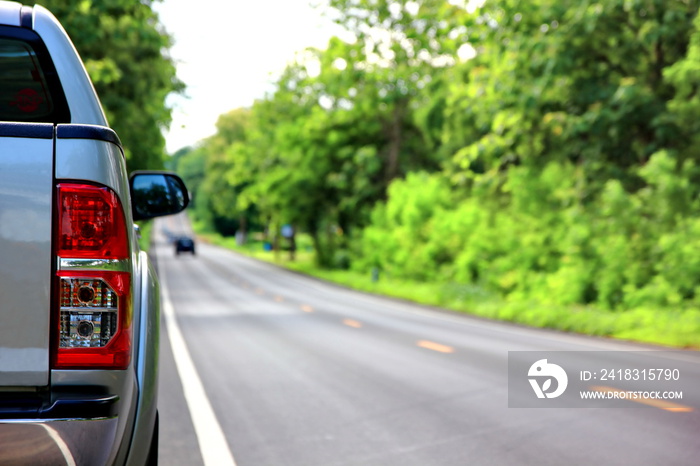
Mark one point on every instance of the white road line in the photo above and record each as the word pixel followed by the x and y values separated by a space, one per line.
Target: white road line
pixel 65 451
pixel 212 442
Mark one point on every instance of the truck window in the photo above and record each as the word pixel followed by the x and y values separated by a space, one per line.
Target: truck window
pixel 29 88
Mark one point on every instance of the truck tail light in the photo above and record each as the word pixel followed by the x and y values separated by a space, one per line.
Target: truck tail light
pixel 93 312
pixel 91 223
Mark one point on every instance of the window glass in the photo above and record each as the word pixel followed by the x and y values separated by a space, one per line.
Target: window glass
pixel 24 93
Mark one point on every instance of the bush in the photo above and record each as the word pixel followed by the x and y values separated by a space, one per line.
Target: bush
pixel 549 238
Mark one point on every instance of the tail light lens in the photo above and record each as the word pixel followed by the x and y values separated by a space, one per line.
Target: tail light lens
pixel 94 293
pixel 91 223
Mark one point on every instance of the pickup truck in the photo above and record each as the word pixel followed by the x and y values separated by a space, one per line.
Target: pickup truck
pixel 79 301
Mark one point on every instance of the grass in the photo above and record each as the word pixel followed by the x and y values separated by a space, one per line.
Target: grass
pixel 145 229
pixel 667 327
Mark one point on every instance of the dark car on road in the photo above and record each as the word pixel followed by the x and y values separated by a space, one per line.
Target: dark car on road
pixel 184 244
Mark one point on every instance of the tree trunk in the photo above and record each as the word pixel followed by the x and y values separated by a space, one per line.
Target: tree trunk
pixel 395 135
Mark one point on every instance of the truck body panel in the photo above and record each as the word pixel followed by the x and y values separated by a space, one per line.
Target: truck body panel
pixel 26 187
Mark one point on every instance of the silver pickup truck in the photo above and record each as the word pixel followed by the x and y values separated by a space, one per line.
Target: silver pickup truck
pixel 79 302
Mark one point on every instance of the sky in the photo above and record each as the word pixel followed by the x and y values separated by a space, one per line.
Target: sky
pixel 229 52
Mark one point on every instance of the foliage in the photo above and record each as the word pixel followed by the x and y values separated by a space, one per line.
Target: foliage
pixel 125 52
pixel 544 153
pixel 205 171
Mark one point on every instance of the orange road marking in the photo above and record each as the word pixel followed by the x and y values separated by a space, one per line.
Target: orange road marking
pixel 279 299
pixel 307 308
pixel 352 323
pixel 661 404
pixel 435 346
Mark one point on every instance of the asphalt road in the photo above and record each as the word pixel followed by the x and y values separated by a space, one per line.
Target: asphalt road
pixel 299 372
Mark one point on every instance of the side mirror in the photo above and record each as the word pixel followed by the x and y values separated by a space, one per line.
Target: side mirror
pixel 157 193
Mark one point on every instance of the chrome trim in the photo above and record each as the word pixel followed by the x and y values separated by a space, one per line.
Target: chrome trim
pixel 54 441
pixel 89 310
pixel 100 265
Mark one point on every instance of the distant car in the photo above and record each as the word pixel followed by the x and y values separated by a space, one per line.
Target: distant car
pixel 184 244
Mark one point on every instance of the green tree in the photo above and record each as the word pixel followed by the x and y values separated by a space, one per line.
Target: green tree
pixel 578 81
pixel 386 70
pixel 190 163
pixel 125 52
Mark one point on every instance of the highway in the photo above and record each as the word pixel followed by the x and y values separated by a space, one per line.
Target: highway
pixel 269 367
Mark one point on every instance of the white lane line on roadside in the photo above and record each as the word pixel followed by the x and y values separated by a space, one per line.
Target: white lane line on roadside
pixel 212 442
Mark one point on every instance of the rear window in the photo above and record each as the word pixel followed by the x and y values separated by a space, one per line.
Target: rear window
pixel 29 87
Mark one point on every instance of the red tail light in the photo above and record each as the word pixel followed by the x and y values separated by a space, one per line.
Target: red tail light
pixel 94 280
pixel 91 223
